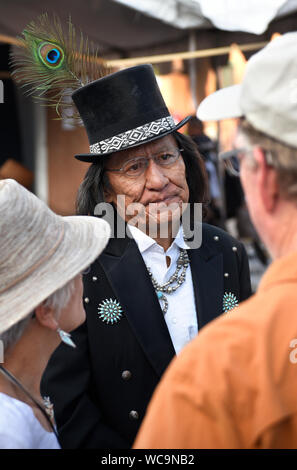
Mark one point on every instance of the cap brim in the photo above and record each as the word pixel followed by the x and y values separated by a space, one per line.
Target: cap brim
pixel 93 157
pixel 222 104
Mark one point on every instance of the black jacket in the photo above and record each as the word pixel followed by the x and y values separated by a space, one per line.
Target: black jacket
pixel 116 367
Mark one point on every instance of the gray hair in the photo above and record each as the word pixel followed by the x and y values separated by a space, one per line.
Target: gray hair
pixel 56 301
pixel 282 158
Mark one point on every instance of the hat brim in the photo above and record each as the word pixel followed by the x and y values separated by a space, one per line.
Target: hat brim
pixel 222 104
pixel 93 157
pixel 84 239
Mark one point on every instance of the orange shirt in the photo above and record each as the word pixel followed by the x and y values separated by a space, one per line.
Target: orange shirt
pixel 235 385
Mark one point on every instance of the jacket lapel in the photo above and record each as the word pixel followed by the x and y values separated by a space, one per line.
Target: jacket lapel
pixel 126 271
pixel 208 283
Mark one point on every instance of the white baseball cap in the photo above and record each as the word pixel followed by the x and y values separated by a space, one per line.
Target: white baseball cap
pixel 267 96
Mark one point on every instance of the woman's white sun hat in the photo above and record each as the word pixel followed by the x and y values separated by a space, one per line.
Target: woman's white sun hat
pixel 40 251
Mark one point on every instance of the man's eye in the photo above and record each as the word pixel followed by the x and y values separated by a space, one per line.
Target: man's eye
pixel 134 167
pixel 166 157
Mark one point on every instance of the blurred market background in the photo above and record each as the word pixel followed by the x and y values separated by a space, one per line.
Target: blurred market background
pixel 195 46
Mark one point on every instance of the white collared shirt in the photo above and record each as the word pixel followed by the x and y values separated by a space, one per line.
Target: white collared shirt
pixel 181 317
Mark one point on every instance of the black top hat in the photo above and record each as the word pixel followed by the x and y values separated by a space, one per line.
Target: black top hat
pixel 123 110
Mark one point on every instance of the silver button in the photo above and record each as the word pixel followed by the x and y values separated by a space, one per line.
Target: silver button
pixel 87 300
pixel 226 274
pixel 126 375
pixel 216 238
pixel 94 278
pixel 133 414
pixel 234 248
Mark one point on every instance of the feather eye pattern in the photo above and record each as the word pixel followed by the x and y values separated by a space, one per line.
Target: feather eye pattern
pixel 51 63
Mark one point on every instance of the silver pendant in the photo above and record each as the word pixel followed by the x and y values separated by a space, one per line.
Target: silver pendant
pixel 177 279
pixel 162 297
pixel 49 407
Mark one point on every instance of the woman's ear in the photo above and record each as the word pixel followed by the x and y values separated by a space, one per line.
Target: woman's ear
pixel 46 317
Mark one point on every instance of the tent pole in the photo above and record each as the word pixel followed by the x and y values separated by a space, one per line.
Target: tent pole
pixel 154 59
pixel 192 69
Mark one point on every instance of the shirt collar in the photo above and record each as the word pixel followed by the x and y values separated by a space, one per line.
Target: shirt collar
pixel 145 242
pixel 179 239
pixel 281 270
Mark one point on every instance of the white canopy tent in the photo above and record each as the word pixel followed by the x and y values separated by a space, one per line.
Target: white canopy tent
pixel 252 16
pixel 135 28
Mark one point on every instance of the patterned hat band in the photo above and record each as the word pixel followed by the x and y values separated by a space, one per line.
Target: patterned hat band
pixel 133 136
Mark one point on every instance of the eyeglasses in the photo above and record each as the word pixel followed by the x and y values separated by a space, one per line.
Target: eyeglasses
pixel 233 157
pixel 137 166
pixel 231 161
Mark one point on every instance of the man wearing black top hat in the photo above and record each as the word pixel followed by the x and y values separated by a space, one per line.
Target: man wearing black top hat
pixel 146 296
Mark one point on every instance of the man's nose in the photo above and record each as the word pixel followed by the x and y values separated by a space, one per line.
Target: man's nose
pixel 156 179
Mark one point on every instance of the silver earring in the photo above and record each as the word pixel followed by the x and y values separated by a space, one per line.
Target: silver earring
pixel 66 338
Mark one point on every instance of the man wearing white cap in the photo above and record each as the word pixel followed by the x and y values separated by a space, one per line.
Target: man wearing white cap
pixel 235 385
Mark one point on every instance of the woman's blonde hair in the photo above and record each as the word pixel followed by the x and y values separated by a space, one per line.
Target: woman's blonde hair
pixel 281 156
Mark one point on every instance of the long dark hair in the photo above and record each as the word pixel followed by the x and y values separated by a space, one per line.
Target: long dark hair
pixel 90 192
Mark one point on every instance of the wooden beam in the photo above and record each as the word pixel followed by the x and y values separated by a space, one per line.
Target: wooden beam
pixel 154 59
pixel 9 40
pixel 4 75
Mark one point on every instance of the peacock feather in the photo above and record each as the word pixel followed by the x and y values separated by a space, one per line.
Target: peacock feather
pixel 50 63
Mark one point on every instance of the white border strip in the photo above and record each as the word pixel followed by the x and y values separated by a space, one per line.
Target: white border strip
pixel 41 163
pixel 133 136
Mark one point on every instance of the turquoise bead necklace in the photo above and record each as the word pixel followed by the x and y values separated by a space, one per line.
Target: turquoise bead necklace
pixel 175 281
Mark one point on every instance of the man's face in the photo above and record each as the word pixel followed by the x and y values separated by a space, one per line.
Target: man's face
pixel 248 178
pixel 155 189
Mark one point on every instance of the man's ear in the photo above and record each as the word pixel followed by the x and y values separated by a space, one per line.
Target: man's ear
pixel 46 317
pixel 267 179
